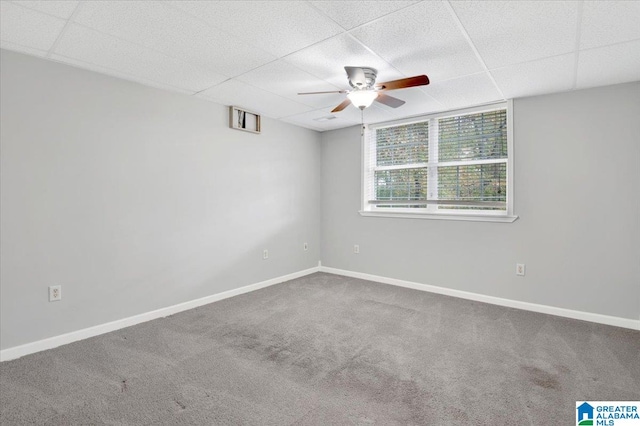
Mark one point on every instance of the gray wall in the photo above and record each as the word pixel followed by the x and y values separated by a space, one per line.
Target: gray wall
pixel 577 192
pixel 134 199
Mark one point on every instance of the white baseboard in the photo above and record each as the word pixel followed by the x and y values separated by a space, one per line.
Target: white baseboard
pixel 551 310
pixel 63 339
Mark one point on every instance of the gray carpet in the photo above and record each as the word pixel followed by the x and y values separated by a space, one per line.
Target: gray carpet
pixel 324 350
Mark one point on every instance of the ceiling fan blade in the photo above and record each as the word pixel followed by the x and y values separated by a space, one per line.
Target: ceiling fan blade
pixel 389 100
pixel 319 93
pixel 418 80
pixel 342 106
pixel 356 76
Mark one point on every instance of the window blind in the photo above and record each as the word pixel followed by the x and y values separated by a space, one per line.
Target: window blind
pixel 473 137
pixel 402 144
pixel 400 165
pixel 457 162
pixel 480 142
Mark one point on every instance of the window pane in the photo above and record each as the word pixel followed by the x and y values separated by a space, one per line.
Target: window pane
pixel 481 182
pixel 403 184
pixel 406 144
pixel 473 137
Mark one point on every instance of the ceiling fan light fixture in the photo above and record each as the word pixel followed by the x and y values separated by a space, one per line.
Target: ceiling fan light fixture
pixel 362 98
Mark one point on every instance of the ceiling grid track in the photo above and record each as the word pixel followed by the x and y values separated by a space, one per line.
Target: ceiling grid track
pixel 64 30
pixel 577 48
pixel 383 59
pixel 349 31
pixel 135 43
pixel 277 58
pixel 473 46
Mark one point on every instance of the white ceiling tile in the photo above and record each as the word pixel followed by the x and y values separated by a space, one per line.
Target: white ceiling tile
pixel 327 60
pixel 23 49
pixel 615 64
pixel 313 120
pixel 118 74
pixel 172 31
pixel 326 101
pixel 60 8
pixel 421 39
pixel 252 98
pixel 417 102
pixel 28 27
pixel 509 32
pixel 608 22
pixel 350 14
pixel 303 123
pixel 464 91
pixel 286 80
pixel 109 52
pixel 546 75
pixel 279 27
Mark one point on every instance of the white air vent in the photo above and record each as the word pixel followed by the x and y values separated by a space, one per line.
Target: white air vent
pixel 327 118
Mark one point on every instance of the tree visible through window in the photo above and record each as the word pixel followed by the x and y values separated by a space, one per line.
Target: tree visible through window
pixel 404 147
pixel 442 164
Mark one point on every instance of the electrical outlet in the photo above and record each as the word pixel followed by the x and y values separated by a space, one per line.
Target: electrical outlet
pixel 305 246
pixel 265 254
pixel 520 269
pixel 55 293
pixel 356 249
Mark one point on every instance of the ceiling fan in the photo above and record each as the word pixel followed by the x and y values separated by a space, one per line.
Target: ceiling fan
pixel 365 90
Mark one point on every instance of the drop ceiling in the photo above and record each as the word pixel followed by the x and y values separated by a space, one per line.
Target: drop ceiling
pixel 260 54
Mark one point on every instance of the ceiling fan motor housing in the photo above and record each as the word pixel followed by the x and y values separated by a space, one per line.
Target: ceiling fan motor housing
pixel 370 75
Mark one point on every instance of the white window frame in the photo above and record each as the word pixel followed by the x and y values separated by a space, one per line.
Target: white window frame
pixel 432 211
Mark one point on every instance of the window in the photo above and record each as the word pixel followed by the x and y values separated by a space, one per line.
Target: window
pixel 454 165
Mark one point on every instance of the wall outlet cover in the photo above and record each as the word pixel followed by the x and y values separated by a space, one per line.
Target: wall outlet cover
pixel 55 293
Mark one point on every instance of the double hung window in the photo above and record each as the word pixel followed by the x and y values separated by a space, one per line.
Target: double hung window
pixel 453 165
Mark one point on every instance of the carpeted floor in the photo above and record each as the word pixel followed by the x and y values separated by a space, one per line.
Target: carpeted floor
pixel 328 350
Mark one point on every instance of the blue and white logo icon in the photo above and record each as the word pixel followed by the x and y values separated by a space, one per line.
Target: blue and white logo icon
pixel 585 414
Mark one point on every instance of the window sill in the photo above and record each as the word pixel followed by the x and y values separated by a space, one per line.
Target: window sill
pixel 442 216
